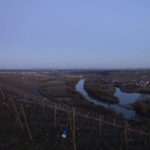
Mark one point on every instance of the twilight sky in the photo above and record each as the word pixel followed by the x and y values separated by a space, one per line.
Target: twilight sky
pixel 74 33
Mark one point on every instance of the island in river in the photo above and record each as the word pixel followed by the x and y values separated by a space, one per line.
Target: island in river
pixel 101 90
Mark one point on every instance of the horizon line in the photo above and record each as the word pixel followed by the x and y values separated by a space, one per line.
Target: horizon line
pixel 105 68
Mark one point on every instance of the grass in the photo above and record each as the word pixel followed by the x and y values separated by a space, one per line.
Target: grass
pixel 142 107
pixel 144 90
pixel 101 91
pixel 46 136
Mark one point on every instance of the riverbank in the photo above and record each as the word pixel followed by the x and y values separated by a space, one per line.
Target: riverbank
pixel 62 91
pixel 132 89
pixel 142 107
pixel 127 106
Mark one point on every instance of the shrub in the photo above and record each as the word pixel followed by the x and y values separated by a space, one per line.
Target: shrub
pixel 142 107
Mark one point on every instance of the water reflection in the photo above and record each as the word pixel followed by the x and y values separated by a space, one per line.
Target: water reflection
pixel 124 98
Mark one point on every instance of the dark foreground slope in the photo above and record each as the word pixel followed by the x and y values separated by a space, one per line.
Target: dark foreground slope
pixel 29 121
pixel 38 124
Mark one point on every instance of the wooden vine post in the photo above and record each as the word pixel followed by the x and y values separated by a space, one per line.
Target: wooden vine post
pixel 35 111
pixel 26 123
pixel 44 120
pixel 2 95
pixel 126 135
pixel 74 130
pixel 14 109
pixel 55 115
pixel 100 125
pixel 125 147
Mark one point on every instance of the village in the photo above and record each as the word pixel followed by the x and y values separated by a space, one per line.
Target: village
pixel 134 83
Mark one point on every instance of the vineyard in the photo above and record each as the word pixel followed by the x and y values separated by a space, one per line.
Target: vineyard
pixel 31 122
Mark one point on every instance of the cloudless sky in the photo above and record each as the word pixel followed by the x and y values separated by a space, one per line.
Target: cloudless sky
pixel 74 33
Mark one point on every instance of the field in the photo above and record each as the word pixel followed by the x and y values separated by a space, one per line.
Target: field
pixel 36 107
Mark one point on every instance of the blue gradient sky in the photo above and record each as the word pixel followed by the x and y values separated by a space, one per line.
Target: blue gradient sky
pixel 74 33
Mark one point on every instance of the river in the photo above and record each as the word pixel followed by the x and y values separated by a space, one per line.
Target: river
pixel 124 98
